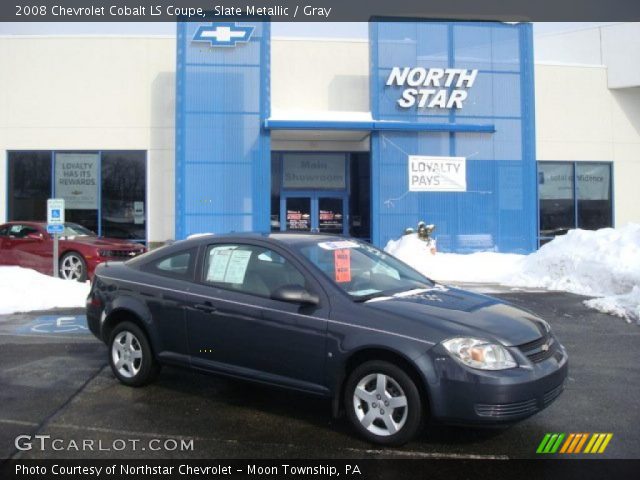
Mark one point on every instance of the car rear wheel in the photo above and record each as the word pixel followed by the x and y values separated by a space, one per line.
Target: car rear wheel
pixel 383 403
pixel 73 267
pixel 130 355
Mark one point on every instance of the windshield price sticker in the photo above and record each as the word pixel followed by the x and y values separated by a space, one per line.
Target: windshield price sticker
pixel 342 261
pixel 342 244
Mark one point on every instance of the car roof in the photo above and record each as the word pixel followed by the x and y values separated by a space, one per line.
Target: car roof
pixel 25 222
pixel 286 238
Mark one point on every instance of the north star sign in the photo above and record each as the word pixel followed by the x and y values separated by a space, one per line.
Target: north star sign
pixel 432 87
pixel 223 34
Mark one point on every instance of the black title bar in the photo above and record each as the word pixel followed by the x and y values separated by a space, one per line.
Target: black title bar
pixel 316 10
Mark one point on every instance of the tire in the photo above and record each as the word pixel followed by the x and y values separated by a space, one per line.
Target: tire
pixel 73 266
pixel 377 381
pixel 130 355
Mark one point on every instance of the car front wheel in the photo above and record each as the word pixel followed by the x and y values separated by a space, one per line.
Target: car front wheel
pixel 130 355
pixel 383 403
pixel 73 267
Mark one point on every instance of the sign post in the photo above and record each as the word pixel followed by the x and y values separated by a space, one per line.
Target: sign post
pixel 55 226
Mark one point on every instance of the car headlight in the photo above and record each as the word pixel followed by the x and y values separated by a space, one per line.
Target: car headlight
pixel 480 354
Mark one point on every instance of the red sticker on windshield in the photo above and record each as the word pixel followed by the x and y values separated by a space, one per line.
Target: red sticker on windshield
pixel 342 261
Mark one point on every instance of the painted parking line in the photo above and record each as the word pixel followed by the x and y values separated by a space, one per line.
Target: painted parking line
pixel 55 325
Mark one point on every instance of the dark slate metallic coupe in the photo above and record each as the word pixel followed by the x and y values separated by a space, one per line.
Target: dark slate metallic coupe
pixel 330 316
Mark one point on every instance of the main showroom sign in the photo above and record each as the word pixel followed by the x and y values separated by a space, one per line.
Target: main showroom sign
pixel 437 174
pixel 432 87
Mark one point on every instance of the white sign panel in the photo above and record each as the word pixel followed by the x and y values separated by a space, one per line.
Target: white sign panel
pixel 311 171
pixel 55 211
pixel 437 174
pixel 77 180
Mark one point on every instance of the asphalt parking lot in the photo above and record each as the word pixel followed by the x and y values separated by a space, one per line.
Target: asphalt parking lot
pixel 59 384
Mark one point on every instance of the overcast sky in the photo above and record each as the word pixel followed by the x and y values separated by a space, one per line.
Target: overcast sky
pixel 286 29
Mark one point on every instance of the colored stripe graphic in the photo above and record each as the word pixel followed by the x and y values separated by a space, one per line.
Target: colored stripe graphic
pixel 598 443
pixel 605 443
pixel 556 443
pixel 581 442
pixel 543 443
pixel 567 442
pixel 550 443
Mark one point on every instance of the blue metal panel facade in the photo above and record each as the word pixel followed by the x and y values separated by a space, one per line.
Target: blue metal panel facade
pixel 222 152
pixel 499 209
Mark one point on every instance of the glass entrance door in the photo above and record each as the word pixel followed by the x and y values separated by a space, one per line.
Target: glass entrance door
pixel 322 212
pixel 331 215
pixel 297 214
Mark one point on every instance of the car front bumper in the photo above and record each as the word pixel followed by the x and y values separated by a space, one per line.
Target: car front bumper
pixel 463 395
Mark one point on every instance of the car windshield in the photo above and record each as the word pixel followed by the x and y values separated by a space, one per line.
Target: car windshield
pixel 363 271
pixel 75 230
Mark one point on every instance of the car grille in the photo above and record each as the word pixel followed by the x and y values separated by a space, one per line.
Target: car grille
pixel 506 410
pixel 539 350
pixel 551 395
pixel 120 253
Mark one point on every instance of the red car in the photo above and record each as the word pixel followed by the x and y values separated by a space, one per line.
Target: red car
pixel 27 244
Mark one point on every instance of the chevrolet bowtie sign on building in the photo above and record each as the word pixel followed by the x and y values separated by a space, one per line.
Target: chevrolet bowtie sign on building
pixel 223 34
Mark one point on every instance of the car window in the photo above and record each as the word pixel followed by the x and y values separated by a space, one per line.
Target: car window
pixel 21 231
pixel 177 265
pixel 249 269
pixel 362 270
pixel 4 231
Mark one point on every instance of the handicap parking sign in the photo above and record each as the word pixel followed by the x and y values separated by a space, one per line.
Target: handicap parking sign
pixel 56 325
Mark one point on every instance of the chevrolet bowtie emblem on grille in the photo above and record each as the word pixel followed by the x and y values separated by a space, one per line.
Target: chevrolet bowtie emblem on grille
pixel 545 347
pixel 223 34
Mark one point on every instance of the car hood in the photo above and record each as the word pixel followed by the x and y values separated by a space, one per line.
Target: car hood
pixel 114 243
pixel 459 312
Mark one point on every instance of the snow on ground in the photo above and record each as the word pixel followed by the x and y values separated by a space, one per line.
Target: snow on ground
pixel 24 290
pixel 603 263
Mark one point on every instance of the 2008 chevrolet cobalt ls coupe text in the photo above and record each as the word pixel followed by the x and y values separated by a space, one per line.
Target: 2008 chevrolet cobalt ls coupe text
pixel 329 316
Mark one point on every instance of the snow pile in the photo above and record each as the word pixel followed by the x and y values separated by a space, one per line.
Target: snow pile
pixel 626 305
pixel 23 290
pixel 481 267
pixel 603 263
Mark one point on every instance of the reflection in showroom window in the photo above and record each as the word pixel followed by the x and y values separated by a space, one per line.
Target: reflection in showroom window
pixel 123 195
pixel 573 195
pixel 593 181
pixel 29 182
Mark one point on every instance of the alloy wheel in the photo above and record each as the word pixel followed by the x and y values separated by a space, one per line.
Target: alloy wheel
pixel 380 404
pixel 72 267
pixel 127 354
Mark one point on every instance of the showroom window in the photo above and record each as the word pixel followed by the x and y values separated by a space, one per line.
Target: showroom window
pixel 105 191
pixel 574 195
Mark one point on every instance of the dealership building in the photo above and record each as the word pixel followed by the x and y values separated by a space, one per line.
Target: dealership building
pixel 223 128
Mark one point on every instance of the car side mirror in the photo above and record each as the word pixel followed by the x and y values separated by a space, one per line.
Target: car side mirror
pixel 295 294
pixel 35 236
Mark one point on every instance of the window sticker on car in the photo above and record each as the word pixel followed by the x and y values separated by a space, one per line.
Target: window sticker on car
pixel 237 267
pixel 228 265
pixel 338 245
pixel 342 262
pixel 218 261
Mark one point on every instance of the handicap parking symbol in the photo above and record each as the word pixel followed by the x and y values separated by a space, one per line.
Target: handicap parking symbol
pixel 56 325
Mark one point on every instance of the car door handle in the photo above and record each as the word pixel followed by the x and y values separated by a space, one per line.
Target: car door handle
pixel 204 307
